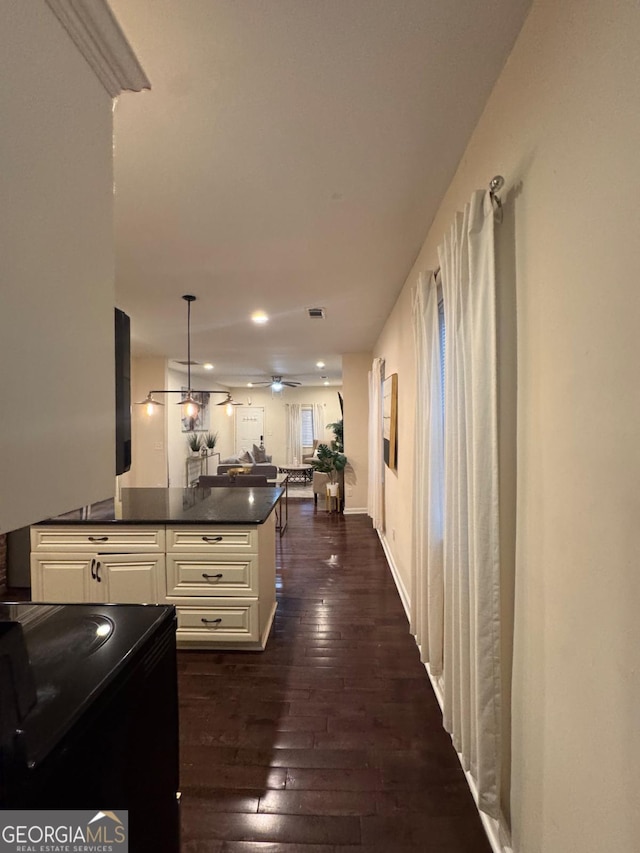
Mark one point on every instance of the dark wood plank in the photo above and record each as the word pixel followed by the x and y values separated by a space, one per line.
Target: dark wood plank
pixel 331 740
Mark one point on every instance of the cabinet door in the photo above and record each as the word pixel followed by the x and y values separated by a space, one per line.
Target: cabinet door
pixel 65 577
pixel 130 578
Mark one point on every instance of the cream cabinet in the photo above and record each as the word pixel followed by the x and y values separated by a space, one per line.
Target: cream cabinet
pixel 72 564
pixel 221 579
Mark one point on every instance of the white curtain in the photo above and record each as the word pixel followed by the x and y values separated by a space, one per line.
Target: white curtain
pixel 376 461
pixel 294 432
pixel 319 419
pixel 471 682
pixel 427 580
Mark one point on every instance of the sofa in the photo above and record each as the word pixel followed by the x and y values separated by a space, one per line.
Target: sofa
pixel 256 459
pixel 264 468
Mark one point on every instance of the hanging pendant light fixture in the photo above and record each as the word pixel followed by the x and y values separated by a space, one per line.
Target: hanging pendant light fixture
pixel 150 403
pixel 190 405
pixel 229 403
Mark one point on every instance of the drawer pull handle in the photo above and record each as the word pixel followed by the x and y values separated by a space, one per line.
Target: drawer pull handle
pixel 211 621
pixel 93 574
pixel 98 578
pixel 98 538
pixel 208 577
pixel 212 538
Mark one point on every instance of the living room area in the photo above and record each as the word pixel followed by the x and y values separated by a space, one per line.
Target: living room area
pixel 260 419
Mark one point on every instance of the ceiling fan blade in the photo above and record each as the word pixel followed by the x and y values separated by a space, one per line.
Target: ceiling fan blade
pixel 292 384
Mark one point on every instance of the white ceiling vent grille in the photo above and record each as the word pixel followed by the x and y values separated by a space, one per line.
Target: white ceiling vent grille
pixel 316 313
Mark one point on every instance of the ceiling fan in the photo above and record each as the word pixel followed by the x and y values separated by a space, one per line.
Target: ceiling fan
pixel 277 383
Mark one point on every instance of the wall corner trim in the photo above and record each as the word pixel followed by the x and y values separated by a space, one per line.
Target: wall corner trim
pixel 96 33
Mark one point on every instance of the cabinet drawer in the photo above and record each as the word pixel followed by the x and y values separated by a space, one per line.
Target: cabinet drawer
pixel 221 575
pixel 130 540
pixel 229 622
pixel 240 540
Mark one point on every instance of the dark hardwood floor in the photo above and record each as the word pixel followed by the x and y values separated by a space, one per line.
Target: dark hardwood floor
pixel 330 740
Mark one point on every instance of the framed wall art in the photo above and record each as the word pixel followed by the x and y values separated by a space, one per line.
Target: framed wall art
pixel 201 423
pixel 390 420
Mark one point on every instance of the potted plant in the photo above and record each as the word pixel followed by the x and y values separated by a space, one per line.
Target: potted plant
pixel 332 462
pixel 338 431
pixel 210 440
pixel 194 440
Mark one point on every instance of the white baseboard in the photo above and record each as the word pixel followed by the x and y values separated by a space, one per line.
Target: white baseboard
pixel 492 828
pixel 355 510
pixel 404 596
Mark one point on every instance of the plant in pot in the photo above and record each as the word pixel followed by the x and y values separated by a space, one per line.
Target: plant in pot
pixel 338 430
pixel 210 440
pixel 194 440
pixel 332 462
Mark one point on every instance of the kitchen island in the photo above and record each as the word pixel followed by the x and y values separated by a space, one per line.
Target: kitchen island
pixel 209 552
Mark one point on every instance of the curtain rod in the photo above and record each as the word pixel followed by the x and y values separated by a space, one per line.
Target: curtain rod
pixel 495 185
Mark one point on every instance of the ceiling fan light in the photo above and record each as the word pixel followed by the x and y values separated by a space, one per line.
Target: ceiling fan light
pixel 277 386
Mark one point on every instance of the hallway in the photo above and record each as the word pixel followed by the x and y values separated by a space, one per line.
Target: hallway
pixel 330 740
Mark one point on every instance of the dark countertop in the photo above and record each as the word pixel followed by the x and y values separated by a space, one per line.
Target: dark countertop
pixel 222 505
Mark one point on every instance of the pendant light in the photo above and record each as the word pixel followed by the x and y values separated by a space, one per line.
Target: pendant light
pixel 228 404
pixel 190 406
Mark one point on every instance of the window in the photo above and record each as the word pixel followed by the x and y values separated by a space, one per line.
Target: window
pixel 306 426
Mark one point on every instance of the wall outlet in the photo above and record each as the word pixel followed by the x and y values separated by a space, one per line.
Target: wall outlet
pixel 349 492
pixel 158 445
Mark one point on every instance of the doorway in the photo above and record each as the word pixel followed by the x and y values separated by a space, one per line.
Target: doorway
pixel 249 428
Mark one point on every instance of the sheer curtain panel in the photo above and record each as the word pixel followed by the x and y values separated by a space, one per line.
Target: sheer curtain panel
pixel 471 682
pixel 294 433
pixel 319 424
pixel 376 463
pixel 427 581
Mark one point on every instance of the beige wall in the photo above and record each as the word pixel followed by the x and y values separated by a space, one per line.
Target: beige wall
pixel 563 127
pixel 148 432
pixel 355 387
pixel 56 233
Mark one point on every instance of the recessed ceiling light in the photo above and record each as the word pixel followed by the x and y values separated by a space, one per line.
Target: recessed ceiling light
pixel 208 366
pixel 259 317
pixel 249 384
pixel 326 383
pixel 319 363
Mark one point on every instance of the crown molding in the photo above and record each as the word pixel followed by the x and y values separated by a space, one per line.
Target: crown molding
pixel 96 33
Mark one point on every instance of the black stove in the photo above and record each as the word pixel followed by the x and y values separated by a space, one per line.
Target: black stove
pixel 88 717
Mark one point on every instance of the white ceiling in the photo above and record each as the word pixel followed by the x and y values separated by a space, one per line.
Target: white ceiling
pixel 290 154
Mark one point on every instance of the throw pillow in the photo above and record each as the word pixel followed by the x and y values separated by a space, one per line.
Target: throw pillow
pixel 259 454
pixel 230 460
pixel 246 458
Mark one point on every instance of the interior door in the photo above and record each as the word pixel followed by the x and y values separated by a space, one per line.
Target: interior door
pixel 249 427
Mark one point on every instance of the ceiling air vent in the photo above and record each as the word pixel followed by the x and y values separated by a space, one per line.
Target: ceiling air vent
pixel 316 313
pixel 178 361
